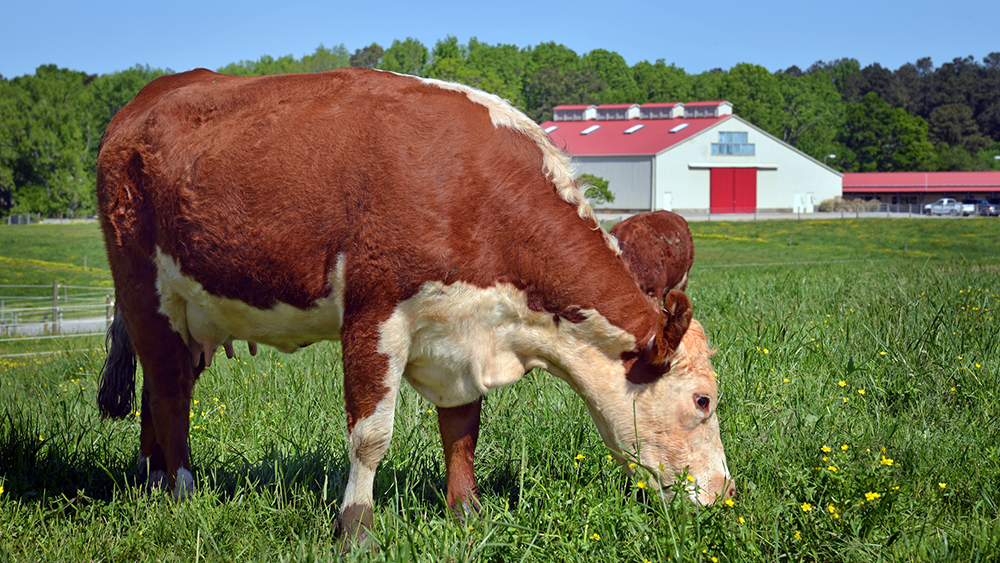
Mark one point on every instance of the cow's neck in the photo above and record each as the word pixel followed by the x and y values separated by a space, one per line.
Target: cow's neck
pixel 582 272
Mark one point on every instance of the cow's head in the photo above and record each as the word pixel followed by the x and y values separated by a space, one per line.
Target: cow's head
pixel 667 417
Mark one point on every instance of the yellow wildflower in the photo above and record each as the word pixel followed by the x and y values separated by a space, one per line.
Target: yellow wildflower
pixel 943 485
pixel 845 447
pixel 579 457
pixel 595 537
pixel 690 478
pixel 886 461
pixel 806 507
pixel 842 383
pixel 826 449
pixel 729 502
pixel 872 496
pixel 641 484
pixel 833 468
pixel 798 535
pixel 861 391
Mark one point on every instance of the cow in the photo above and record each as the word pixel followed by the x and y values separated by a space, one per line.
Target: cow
pixel 658 249
pixel 431 228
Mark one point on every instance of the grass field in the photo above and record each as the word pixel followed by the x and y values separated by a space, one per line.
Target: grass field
pixel 860 380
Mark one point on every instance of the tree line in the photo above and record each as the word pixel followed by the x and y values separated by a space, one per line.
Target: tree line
pixel 916 118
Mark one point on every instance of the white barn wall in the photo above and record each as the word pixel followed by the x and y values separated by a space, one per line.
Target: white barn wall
pixel 683 172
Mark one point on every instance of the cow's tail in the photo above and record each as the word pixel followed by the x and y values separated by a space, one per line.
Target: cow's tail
pixel 116 396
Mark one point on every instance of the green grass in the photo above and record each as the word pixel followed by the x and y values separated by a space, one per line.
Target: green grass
pixel 798 329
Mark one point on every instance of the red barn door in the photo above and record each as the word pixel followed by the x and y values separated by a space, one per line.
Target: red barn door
pixel 733 190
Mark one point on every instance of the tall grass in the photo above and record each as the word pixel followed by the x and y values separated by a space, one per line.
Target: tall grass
pixel 840 341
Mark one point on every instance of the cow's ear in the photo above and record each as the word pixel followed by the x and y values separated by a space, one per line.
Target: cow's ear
pixel 675 318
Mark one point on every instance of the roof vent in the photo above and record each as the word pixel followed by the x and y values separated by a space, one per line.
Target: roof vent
pixel 707 109
pixel 551 128
pixel 633 129
pixel 668 110
pixel 679 128
pixel 617 112
pixel 574 113
pixel 590 129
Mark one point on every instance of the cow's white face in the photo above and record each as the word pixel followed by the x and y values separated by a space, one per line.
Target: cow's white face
pixel 677 425
pixel 668 424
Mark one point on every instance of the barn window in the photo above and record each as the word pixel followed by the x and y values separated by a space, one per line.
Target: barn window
pixel 733 143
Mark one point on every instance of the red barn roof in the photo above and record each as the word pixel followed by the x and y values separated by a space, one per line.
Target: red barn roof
pixel 625 137
pixel 870 182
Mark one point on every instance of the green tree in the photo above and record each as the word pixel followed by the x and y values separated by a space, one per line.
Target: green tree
pixel 756 96
pixel 458 70
pixel 449 48
pixel 552 55
pixel 507 62
pixel 811 113
pixel 48 130
pixel 405 57
pixel 612 69
pixel 324 59
pixel 368 57
pixel 879 138
pixel 660 82
pixel 551 86
pixel 954 125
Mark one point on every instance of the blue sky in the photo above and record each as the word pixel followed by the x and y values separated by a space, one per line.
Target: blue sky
pixel 105 36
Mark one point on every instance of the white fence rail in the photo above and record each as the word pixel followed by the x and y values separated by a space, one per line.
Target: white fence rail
pixel 47 311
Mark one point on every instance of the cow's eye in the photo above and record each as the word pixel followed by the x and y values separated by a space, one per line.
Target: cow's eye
pixel 702 402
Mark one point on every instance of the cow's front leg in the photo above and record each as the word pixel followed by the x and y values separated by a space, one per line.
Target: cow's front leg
pixel 459 434
pixel 372 372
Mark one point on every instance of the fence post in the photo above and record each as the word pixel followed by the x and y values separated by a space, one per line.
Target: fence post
pixel 55 308
pixel 109 311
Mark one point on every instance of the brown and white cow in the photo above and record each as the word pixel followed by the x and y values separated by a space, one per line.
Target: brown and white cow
pixel 658 249
pixel 430 227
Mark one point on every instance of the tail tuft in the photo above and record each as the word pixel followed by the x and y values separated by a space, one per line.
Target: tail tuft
pixel 116 396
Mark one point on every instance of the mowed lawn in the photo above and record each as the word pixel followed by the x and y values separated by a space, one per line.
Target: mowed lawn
pixel 860 380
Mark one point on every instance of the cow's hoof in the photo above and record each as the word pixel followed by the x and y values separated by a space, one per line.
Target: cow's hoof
pixel 466 507
pixel 352 526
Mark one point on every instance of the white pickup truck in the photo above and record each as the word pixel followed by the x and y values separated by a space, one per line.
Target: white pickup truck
pixel 946 206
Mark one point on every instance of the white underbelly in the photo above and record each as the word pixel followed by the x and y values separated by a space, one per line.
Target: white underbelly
pixel 207 320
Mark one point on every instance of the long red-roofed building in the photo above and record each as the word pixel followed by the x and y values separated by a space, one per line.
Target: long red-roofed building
pixel 920 188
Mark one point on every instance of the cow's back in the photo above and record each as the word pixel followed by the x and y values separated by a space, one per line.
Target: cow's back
pixel 253 190
pixel 289 171
pixel 658 249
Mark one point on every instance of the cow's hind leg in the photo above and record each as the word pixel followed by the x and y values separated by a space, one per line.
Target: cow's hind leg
pixel 151 469
pixel 372 372
pixel 168 382
pixel 459 434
